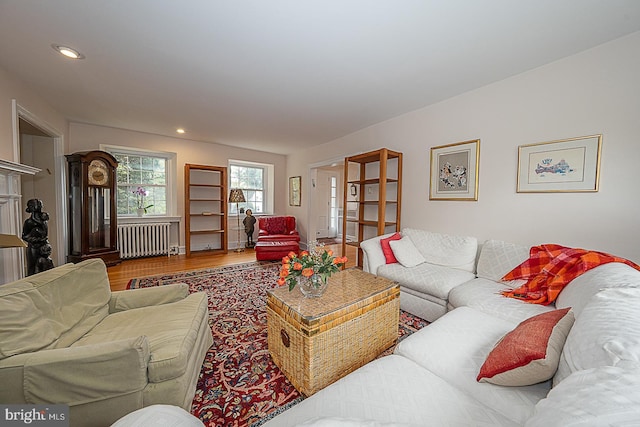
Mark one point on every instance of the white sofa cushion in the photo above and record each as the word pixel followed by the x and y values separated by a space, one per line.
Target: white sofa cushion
pixel 393 389
pixel 406 253
pixel 484 295
pixel 605 396
pixel 349 422
pixel 426 278
pixel 497 258
pixel 446 250
pixel 456 345
pixel 581 289
pixel 159 416
pixel 607 333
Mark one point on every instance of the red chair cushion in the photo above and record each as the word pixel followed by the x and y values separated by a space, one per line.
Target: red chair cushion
pixel 277 228
pixel 270 251
pixel 274 225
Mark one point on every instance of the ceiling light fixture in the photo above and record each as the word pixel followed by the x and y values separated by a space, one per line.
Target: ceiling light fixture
pixel 67 51
pixel 180 130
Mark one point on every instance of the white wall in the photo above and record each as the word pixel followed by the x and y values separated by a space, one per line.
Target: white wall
pixel 12 88
pixel 594 92
pixel 84 137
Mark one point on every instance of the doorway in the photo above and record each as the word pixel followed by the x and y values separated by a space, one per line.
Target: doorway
pixel 325 219
pixel 39 145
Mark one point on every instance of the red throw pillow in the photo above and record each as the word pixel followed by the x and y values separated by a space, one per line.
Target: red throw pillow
pixel 386 248
pixel 530 353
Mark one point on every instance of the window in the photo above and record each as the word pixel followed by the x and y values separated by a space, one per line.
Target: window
pixel 256 182
pixel 151 171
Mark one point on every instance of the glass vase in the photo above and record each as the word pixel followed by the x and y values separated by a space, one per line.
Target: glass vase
pixel 314 286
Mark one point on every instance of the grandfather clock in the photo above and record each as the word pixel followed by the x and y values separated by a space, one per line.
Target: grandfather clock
pixel 92 207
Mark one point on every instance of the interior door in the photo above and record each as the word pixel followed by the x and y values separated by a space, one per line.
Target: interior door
pixel 328 201
pixel 323 192
pixel 334 203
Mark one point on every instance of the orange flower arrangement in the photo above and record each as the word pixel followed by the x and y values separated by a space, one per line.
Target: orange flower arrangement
pixel 317 261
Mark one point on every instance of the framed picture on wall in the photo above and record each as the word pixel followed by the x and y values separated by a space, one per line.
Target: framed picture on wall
pixel 566 165
pixel 454 171
pixel 294 190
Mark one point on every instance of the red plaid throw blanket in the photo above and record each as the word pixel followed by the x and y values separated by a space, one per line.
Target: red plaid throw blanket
pixel 550 268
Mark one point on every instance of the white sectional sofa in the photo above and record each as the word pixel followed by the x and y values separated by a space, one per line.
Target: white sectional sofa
pixel 449 261
pixel 430 380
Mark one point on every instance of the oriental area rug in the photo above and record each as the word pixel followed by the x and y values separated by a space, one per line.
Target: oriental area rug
pixel 239 384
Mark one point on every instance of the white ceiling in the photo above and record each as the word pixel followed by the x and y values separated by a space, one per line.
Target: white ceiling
pixel 277 75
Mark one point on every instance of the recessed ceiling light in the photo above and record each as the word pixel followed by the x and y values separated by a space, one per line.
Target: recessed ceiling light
pixel 180 130
pixel 67 51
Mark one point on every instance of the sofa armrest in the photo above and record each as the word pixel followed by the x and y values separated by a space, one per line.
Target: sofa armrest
pixel 373 255
pixel 145 297
pixel 83 374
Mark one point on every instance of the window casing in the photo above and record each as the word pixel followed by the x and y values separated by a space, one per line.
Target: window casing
pixel 256 182
pixel 154 171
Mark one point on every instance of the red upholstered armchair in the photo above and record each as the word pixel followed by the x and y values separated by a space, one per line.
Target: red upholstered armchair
pixel 277 228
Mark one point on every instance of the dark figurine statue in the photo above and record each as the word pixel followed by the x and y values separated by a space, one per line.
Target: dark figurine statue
pixel 249 222
pixel 35 232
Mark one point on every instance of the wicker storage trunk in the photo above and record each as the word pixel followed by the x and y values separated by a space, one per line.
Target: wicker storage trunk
pixel 317 341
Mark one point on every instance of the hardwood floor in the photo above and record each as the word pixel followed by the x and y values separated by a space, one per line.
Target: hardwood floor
pixel 119 275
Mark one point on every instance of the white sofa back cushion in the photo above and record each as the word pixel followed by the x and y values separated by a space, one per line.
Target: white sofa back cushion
pixel 497 258
pixel 606 333
pixel 443 249
pixel 605 396
pixel 581 289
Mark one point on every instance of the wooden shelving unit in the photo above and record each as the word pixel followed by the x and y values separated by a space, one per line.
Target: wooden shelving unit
pixel 205 210
pixel 376 204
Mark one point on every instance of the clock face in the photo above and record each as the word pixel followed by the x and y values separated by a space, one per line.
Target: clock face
pixel 98 173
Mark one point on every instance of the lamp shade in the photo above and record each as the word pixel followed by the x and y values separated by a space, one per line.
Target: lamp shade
pixel 236 196
pixel 11 241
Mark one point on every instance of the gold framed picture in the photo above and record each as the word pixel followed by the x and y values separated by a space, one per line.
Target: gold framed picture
pixel 562 166
pixel 454 171
pixel 295 190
